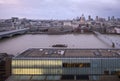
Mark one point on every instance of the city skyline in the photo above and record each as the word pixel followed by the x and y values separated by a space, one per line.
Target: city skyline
pixel 52 9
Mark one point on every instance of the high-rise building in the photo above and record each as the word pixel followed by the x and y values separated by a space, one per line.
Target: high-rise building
pixel 97 18
pixel 113 18
pixel 89 18
pixel 66 64
pixel 109 18
pixel 82 19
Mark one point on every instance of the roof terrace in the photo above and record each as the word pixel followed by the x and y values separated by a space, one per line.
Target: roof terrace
pixel 58 52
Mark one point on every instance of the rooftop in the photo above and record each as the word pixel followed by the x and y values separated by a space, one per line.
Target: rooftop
pixel 59 52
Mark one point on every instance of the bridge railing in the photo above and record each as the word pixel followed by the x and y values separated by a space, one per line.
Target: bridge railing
pixel 108 40
pixel 2 34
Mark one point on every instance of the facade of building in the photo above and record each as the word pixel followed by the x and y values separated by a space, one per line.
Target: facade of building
pixel 82 20
pixel 117 30
pixel 67 23
pixel 66 64
pixel 5 66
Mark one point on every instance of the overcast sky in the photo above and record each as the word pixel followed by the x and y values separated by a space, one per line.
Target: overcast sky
pixel 58 9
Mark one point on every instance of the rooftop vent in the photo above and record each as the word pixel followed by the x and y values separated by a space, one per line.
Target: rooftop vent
pixel 97 53
pixel 109 50
pixel 61 52
pixel 40 49
pixel 46 53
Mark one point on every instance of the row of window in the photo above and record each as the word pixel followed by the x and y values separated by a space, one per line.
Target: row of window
pixel 81 65
pixel 46 63
pixel 36 63
pixel 35 71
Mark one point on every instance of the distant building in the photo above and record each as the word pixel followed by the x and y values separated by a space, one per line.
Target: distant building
pixel 6 25
pixel 110 30
pixel 15 22
pixel 113 18
pixel 89 18
pixel 117 30
pixel 109 18
pixel 24 23
pixel 55 30
pixel 82 19
pixel 67 23
pixel 75 24
pixel 97 18
pixel 102 19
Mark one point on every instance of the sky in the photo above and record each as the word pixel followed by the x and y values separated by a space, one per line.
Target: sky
pixel 58 9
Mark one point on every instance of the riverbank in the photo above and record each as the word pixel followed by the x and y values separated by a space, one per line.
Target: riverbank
pixel 58 33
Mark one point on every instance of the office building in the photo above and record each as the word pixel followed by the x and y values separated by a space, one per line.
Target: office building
pixel 97 18
pixel 66 64
pixel 89 18
pixel 82 19
pixel 109 18
pixel 113 18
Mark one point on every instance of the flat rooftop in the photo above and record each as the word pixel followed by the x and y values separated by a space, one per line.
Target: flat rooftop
pixel 59 52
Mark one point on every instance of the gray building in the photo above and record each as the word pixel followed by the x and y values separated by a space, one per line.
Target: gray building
pixel 66 64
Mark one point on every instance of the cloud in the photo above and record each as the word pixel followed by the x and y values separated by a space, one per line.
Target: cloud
pixel 59 9
pixel 9 2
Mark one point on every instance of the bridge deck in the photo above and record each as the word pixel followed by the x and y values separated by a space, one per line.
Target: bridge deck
pixel 8 32
pixel 107 40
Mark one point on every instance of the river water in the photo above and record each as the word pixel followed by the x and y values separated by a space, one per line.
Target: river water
pixel 18 44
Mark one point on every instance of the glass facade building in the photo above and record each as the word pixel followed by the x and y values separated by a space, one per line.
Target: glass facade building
pixel 77 66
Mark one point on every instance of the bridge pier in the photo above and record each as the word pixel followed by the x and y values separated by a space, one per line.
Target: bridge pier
pixel 9 35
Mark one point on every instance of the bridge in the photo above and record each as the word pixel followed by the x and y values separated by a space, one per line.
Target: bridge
pixel 110 41
pixel 13 32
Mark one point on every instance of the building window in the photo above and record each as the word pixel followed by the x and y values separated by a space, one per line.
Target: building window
pixel 113 73
pixel 82 77
pixel 36 63
pixel 81 65
pixel 106 72
pixel 67 77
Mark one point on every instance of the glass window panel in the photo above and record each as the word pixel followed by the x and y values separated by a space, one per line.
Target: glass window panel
pixel 76 65
pixel 36 63
pixel 36 71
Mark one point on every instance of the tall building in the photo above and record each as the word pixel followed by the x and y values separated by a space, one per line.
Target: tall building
pixel 109 18
pixel 15 22
pixel 67 23
pixel 82 19
pixel 89 18
pixel 97 18
pixel 66 64
pixel 113 18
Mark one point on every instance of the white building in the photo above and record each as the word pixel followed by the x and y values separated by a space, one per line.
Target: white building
pixel 67 23
pixel 117 30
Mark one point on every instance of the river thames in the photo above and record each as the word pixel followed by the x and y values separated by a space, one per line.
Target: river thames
pixel 18 44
